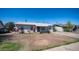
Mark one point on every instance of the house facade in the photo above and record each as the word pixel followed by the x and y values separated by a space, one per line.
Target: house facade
pixel 33 27
pixel 58 28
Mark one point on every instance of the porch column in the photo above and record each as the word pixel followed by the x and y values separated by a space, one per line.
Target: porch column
pixel 34 28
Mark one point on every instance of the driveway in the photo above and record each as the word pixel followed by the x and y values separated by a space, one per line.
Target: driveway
pixel 70 47
pixel 70 34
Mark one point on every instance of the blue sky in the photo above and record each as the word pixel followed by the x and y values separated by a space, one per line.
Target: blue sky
pixel 43 15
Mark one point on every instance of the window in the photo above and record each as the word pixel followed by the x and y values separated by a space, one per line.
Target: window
pixel 25 26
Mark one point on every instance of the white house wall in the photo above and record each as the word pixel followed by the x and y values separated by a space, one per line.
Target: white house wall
pixel 59 29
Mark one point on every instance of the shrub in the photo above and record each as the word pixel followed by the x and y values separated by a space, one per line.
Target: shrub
pixel 66 30
pixel 68 26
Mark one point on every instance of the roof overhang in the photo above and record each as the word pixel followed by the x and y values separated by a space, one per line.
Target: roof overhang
pixel 36 24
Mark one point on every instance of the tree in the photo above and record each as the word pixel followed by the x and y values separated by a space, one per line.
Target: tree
pixel 10 26
pixel 69 26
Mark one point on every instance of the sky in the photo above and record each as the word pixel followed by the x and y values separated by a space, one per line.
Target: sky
pixel 40 15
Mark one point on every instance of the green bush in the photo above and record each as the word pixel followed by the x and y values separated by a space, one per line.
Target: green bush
pixel 66 30
pixel 68 26
pixel 8 46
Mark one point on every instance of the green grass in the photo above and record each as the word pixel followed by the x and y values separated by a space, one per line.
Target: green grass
pixel 9 46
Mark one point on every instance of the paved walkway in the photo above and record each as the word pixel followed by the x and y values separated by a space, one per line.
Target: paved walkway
pixel 70 47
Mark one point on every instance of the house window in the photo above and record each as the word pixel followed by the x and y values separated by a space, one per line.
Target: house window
pixel 25 26
pixel 44 29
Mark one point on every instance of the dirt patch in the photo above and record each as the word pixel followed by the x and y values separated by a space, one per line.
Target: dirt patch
pixel 41 42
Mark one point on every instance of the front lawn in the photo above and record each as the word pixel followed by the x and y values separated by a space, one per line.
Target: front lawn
pixel 34 41
pixel 9 46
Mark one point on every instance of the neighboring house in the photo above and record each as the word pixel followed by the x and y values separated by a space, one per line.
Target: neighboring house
pixel 33 27
pixel 2 28
pixel 1 25
pixel 75 28
pixel 58 28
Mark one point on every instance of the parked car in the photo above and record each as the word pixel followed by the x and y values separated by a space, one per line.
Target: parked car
pixel 4 30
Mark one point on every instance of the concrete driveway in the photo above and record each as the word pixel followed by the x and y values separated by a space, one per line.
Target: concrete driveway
pixel 70 34
pixel 70 47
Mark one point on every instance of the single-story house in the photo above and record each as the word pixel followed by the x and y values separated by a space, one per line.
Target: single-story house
pixel 2 28
pixel 33 27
